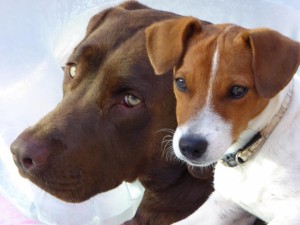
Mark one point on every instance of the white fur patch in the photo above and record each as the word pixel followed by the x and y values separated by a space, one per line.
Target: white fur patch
pixel 209 125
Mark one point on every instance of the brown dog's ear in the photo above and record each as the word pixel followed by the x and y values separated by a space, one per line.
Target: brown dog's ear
pixel 275 60
pixel 132 5
pixel 96 21
pixel 166 41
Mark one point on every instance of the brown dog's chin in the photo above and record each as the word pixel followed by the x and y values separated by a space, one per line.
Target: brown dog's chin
pixel 69 196
pixel 72 197
pixel 73 192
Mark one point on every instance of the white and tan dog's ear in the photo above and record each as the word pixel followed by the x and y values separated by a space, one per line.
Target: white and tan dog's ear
pixel 276 59
pixel 166 41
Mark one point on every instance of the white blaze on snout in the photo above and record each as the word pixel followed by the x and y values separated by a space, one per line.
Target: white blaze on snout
pixel 207 124
pixel 210 126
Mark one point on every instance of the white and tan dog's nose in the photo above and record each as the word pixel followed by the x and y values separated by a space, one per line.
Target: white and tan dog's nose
pixel 192 146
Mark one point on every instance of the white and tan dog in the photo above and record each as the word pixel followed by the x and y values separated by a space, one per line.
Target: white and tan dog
pixel 238 104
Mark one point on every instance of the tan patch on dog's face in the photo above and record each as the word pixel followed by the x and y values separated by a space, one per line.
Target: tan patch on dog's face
pixel 195 70
pixel 228 58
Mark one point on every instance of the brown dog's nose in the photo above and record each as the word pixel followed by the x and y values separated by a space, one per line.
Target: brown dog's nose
pixel 28 155
pixel 192 146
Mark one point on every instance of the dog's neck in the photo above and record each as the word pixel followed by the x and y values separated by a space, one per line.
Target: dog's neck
pixel 168 187
pixel 272 109
pixel 259 129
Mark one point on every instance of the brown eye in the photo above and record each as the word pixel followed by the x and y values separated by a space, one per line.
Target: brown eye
pixel 237 92
pixel 131 101
pixel 72 70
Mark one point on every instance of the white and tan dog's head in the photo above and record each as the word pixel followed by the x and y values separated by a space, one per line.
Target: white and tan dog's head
pixel 224 77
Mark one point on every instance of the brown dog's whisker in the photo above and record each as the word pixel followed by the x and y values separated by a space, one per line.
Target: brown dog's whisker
pixel 166 130
pixel 167 150
pixel 169 155
pixel 167 140
pixel 166 145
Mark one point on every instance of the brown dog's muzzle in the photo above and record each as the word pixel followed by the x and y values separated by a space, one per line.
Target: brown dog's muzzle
pixel 44 153
pixel 30 156
pixel 35 147
pixel 69 154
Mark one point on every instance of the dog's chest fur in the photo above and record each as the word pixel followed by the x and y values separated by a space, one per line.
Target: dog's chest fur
pixel 269 182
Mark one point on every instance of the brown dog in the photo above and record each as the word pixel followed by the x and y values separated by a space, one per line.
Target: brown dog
pixel 108 126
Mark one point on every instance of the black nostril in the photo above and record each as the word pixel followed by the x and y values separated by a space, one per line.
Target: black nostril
pixel 193 146
pixel 27 163
pixel 30 155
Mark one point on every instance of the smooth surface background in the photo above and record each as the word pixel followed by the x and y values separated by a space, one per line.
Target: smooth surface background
pixel 36 38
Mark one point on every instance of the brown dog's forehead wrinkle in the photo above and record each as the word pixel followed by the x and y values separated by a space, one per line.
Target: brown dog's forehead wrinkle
pixel 122 69
pixel 91 50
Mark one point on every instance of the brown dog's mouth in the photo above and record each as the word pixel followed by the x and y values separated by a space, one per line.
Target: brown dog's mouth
pixel 68 186
pixel 69 191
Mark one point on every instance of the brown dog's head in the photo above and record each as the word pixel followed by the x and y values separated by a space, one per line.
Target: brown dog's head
pixel 107 127
pixel 224 77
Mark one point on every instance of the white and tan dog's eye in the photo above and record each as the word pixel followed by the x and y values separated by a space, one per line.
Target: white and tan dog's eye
pixel 72 70
pixel 131 100
pixel 181 84
pixel 237 92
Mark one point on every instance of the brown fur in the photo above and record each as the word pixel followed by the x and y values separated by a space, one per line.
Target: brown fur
pixel 91 141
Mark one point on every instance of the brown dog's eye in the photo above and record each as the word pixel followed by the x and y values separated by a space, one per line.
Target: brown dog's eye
pixel 180 84
pixel 131 101
pixel 237 92
pixel 72 70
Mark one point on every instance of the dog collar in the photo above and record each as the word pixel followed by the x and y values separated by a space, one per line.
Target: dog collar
pixel 243 154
